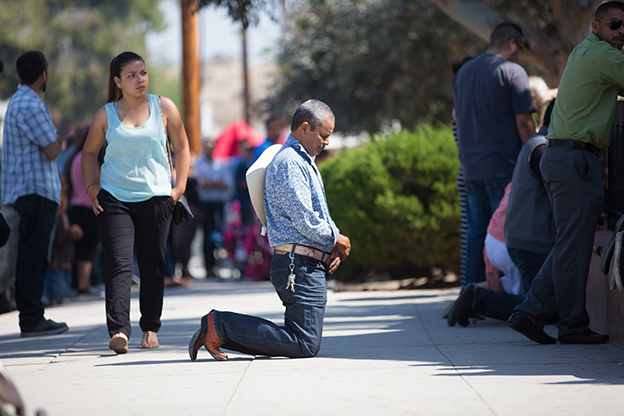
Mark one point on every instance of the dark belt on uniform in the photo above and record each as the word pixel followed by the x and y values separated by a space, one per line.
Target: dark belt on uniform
pixel 573 144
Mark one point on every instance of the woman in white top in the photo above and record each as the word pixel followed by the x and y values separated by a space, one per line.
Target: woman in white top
pixel 134 198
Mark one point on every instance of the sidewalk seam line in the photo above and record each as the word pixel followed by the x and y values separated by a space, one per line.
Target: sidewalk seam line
pixel 240 380
pixel 422 322
pixel 54 360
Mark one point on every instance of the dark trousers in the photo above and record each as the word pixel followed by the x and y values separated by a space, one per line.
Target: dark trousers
pixel 213 220
pixel 303 319
pixel 125 227
pixel 183 235
pixel 37 219
pixel 528 263
pixel 574 181
pixel 500 305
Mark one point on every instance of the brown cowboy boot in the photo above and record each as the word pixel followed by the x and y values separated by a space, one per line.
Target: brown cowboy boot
pixel 208 337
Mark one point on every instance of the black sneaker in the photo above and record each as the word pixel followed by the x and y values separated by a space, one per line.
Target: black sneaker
pixel 46 327
pixel 462 311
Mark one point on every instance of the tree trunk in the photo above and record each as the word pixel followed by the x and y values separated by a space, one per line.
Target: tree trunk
pixel 547 48
pixel 245 74
pixel 191 78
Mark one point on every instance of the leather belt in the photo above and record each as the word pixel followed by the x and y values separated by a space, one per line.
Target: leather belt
pixel 303 251
pixel 573 144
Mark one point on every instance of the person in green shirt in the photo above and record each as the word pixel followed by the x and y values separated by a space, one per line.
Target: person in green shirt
pixel 580 128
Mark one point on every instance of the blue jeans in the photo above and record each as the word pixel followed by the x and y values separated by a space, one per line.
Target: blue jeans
pixel 303 319
pixel 37 219
pixel 482 198
pixel 57 285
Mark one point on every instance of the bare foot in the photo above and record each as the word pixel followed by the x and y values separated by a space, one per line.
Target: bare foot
pixel 150 340
pixel 119 343
pixel 177 281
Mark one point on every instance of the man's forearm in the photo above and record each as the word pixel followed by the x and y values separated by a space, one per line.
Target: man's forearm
pixel 52 150
pixel 525 126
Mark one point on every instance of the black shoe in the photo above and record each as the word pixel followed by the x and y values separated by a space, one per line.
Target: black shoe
pixel 46 327
pixel 586 337
pixel 462 311
pixel 520 323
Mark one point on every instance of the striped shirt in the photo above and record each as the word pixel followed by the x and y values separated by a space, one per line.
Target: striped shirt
pixel 294 199
pixel 28 129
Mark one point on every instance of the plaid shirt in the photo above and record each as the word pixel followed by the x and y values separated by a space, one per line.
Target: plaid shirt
pixel 294 199
pixel 28 129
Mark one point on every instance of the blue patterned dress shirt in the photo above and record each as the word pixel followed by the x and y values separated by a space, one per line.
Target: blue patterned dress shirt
pixel 294 200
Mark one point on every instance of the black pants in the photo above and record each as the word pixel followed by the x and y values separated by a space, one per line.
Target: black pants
pixel 574 183
pixel 124 227
pixel 213 220
pixel 37 219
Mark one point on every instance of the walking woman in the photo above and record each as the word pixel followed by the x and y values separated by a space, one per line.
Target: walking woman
pixel 80 212
pixel 134 199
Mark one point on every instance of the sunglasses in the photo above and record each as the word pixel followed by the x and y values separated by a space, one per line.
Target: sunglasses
pixel 614 24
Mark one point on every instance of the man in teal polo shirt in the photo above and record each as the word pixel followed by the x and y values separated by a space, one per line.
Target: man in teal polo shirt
pixel 580 128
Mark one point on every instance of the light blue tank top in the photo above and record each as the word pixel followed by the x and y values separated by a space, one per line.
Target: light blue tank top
pixel 136 166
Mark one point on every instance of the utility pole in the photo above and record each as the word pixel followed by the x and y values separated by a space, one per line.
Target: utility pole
pixel 245 71
pixel 191 77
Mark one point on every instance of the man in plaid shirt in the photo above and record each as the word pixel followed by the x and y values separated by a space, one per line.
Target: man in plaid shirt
pixel 31 182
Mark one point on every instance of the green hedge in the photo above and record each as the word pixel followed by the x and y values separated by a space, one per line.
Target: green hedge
pixel 396 199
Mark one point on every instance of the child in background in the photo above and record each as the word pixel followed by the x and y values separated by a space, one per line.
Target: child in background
pixel 58 279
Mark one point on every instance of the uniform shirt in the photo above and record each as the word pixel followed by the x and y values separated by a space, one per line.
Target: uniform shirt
pixel 28 129
pixel 294 200
pixel 591 81
pixel 529 223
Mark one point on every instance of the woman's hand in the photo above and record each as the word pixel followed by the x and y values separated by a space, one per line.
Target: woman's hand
pixel 93 190
pixel 176 194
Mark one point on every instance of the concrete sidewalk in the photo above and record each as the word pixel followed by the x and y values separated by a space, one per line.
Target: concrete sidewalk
pixel 383 353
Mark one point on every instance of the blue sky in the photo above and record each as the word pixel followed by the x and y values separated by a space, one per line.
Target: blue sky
pixel 219 36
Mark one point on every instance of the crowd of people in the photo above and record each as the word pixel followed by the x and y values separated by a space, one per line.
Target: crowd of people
pixel 534 198
pixel 531 200
pixel 96 207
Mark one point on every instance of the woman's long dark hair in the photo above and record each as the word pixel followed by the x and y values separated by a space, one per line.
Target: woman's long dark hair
pixel 114 70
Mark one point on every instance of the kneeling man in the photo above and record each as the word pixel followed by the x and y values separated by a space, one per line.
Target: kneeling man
pixel 307 246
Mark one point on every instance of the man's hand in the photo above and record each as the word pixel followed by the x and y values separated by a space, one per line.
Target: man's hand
pixel 340 252
pixel 493 281
pixel 76 232
pixel 334 265
pixel 342 247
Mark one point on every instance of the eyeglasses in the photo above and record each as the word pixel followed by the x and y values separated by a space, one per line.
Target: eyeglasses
pixel 614 24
